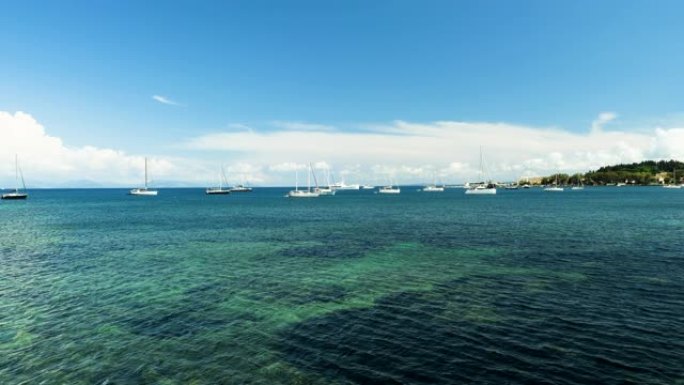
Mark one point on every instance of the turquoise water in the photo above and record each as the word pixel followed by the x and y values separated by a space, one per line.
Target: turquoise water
pixel 581 287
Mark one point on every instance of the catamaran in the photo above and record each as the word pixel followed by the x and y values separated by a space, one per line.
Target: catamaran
pixel 143 191
pixel 17 176
pixel 308 193
pixel 219 190
pixel 481 188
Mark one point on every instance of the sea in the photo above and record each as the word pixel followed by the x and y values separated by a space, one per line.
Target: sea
pixel 525 287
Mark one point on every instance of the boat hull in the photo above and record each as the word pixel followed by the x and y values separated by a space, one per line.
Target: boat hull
pixel 142 192
pixel 554 189
pixel 433 189
pixel 389 191
pixel 303 194
pixel 241 189
pixel 217 192
pixel 326 192
pixel 481 191
pixel 14 196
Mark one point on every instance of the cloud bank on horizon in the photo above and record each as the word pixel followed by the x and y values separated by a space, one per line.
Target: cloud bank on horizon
pixel 407 152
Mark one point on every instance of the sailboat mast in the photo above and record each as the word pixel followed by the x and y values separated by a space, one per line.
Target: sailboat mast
pixel 308 179
pixel 145 173
pixel 296 180
pixel 16 173
pixel 481 171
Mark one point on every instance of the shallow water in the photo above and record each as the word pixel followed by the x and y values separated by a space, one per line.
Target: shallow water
pixel 579 287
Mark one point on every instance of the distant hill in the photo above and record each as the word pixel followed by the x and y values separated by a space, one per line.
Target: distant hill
pixel 641 173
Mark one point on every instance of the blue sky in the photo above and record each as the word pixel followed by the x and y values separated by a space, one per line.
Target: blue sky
pixel 87 70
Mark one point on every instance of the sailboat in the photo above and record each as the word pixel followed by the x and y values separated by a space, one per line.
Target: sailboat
pixel 17 175
pixel 433 187
pixel 555 188
pixel 389 189
pixel 579 185
pixel 327 190
pixel 481 188
pixel 308 193
pixel 219 190
pixel 674 181
pixel 143 191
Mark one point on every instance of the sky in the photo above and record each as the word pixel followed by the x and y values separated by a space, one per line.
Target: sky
pixel 400 90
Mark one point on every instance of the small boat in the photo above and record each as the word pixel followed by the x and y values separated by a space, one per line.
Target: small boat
pixel 308 193
pixel 327 190
pixel 343 186
pixel 240 189
pixel 389 190
pixel 674 180
pixel 433 187
pixel 555 187
pixel 17 194
pixel 219 190
pixel 480 188
pixel 367 187
pixel 143 191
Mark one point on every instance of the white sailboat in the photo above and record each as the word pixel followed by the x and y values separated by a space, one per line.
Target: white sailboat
pixel 389 189
pixel 555 188
pixel 143 191
pixel 326 190
pixel 433 187
pixel 221 182
pixel 17 194
pixel 308 193
pixel 481 188
pixel 579 185
pixel 674 182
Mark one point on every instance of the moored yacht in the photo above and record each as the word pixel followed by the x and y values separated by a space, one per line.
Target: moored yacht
pixel 143 191
pixel 18 175
pixel 240 188
pixel 389 190
pixel 480 188
pixel 219 190
pixel 308 193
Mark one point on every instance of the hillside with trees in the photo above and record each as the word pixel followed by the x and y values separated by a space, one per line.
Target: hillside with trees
pixel 642 173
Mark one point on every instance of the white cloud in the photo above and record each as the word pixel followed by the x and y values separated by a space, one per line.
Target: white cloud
pixel 601 120
pixel 302 126
pixel 47 161
pixel 403 151
pixel 165 100
pixel 448 149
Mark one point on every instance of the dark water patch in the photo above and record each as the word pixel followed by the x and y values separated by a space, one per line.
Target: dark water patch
pixel 562 336
pixel 196 310
pixel 287 293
